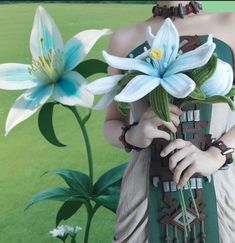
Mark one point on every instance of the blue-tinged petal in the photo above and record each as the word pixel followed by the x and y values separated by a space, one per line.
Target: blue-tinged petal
pixel 137 88
pixel 106 100
pixel 178 85
pixel 71 90
pixel 167 38
pixel 192 59
pixel 14 76
pixel 79 45
pixel 123 63
pixel 27 104
pixel 104 85
pixel 45 35
pixel 221 81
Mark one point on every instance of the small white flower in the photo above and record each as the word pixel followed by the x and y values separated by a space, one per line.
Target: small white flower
pixel 59 231
pixel 64 230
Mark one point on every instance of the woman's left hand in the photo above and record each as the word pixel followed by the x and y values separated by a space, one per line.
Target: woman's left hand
pixel 188 160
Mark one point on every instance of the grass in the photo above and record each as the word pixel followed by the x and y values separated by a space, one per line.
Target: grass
pixel 25 154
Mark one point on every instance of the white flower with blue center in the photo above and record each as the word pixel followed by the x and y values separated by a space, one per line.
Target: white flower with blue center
pixel 50 74
pixel 221 82
pixel 162 64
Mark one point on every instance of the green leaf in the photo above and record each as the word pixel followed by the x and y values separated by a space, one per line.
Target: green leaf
pixel 76 180
pixel 231 93
pixel 87 117
pixel 57 194
pixel 45 124
pixel 201 74
pixel 108 201
pixel 197 94
pixel 68 209
pixel 91 66
pixel 159 102
pixel 221 99
pixel 109 179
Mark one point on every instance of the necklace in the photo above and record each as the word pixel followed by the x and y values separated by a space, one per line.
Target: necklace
pixel 180 11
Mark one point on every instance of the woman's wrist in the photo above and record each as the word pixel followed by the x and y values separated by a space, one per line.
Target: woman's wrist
pixel 216 155
pixel 124 138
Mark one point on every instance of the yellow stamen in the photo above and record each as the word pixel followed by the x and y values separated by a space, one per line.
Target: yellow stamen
pixel 157 54
pixel 49 65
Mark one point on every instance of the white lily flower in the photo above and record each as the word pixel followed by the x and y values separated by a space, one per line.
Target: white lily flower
pixel 220 83
pixel 163 65
pixel 50 74
pixel 106 86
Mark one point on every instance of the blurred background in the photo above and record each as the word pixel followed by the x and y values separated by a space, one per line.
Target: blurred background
pixel 24 154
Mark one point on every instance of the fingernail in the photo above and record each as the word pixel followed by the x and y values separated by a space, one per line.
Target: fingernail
pixel 162 154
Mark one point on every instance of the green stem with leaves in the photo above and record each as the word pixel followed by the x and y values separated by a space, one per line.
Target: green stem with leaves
pixel 87 142
pixel 90 210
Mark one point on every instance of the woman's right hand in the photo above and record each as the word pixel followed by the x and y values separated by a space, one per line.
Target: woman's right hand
pixel 150 127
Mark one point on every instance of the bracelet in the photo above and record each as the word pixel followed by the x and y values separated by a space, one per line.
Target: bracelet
pixel 128 147
pixel 226 151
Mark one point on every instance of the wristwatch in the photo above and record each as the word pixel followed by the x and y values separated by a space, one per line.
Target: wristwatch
pixel 225 151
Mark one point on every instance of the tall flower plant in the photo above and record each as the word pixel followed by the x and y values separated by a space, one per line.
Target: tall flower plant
pixel 52 74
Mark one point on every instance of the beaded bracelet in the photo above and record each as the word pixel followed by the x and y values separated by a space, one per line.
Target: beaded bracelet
pixel 226 151
pixel 128 147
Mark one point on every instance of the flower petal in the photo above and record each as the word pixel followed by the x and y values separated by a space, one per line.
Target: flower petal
pixel 104 85
pixel 129 64
pixel 106 100
pixel 221 81
pixel 192 59
pixel 27 104
pixel 71 90
pixel 167 38
pixel 14 76
pixel 150 36
pixel 178 85
pixel 137 88
pixel 79 45
pixel 45 35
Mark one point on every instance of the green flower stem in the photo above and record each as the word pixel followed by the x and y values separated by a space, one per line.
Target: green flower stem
pixel 185 209
pixel 184 219
pixel 90 212
pixel 193 200
pixel 87 143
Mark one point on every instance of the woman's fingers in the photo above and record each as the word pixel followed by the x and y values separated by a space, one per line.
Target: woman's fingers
pixel 157 122
pixel 175 109
pixel 190 171
pixel 176 144
pixel 160 134
pixel 181 167
pixel 179 155
pixel 175 119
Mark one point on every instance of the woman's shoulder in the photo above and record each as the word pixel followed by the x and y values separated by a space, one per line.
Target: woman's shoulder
pixel 124 40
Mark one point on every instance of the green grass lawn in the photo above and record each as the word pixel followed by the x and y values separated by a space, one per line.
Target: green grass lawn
pixel 25 154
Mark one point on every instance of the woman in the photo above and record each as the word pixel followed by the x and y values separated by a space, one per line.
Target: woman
pixel 135 219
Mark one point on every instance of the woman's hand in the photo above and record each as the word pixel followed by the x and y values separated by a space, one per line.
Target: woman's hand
pixel 189 160
pixel 148 128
